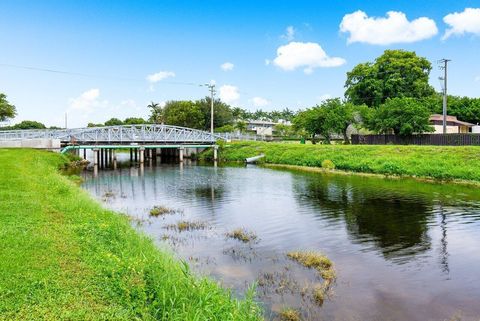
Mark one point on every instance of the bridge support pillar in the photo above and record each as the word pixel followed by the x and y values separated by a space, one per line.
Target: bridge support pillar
pixel 215 153
pixel 142 154
pixel 131 154
pixel 114 152
pixel 136 154
pixel 85 153
pixel 95 157
pixel 181 150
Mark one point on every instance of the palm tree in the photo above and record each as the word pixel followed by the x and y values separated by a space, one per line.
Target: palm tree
pixel 156 113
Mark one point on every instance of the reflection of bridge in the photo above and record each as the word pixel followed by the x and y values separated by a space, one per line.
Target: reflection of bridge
pixel 142 140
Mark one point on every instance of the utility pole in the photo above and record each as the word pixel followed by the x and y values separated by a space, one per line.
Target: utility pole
pixel 444 78
pixel 211 87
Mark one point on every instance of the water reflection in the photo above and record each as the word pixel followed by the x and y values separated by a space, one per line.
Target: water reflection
pixel 396 223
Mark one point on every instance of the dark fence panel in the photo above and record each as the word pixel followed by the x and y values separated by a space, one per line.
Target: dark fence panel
pixel 423 139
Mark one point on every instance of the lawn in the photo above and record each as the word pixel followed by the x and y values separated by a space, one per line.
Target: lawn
pixel 437 162
pixel 63 256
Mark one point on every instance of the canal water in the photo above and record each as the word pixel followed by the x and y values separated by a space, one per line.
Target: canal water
pixel 402 249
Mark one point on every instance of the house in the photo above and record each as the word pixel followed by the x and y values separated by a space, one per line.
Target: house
pixel 261 127
pixel 454 126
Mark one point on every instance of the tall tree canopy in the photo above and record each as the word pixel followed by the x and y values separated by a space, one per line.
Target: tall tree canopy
pixel 222 112
pixel 396 73
pixel 7 110
pixel 402 116
pixel 183 113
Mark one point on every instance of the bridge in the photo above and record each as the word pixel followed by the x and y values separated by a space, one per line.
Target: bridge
pixel 142 140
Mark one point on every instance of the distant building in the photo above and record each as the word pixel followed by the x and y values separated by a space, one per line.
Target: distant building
pixel 454 126
pixel 261 127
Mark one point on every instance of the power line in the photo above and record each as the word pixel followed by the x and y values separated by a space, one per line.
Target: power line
pixel 71 73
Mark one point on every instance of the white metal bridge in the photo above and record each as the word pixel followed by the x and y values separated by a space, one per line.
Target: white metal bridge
pixel 117 135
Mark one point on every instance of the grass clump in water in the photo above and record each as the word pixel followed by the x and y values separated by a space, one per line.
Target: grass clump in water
pixel 161 210
pixel 242 235
pixel 188 226
pixel 316 261
pixel 290 315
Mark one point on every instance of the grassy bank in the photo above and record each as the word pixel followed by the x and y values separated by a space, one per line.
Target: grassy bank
pixel 63 256
pixel 437 162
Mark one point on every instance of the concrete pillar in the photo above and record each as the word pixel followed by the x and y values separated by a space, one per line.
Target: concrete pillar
pixel 95 157
pixel 142 155
pixel 114 152
pixel 84 153
pixel 136 154
pixel 181 150
pixel 100 163
pixel 215 153
pixel 131 154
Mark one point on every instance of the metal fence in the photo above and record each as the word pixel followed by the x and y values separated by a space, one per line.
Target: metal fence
pixel 421 139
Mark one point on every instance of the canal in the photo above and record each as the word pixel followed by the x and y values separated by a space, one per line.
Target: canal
pixel 402 249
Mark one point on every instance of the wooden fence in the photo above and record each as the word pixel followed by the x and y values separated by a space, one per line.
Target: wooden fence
pixel 423 139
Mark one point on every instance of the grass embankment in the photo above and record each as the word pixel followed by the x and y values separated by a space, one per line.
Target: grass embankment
pixel 437 162
pixel 63 256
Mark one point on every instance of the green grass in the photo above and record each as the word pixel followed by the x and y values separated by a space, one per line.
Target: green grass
pixel 437 162
pixel 64 257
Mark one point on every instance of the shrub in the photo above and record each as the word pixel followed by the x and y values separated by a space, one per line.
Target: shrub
pixel 328 164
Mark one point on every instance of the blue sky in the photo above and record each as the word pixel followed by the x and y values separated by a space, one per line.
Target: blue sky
pixel 283 53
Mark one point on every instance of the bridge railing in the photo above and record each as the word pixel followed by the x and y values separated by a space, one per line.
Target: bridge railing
pixel 116 134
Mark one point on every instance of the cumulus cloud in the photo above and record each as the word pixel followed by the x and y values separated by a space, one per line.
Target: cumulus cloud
pixel 227 66
pixel 394 28
pixel 289 34
pixel 229 94
pixel 87 102
pixel 307 55
pixel 156 77
pixel 260 102
pixel 460 23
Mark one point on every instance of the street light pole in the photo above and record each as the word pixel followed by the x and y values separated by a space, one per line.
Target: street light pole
pixel 444 109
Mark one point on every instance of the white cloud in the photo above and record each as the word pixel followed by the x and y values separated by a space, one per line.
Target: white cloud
pixel 229 94
pixel 156 77
pixel 227 66
pixel 460 23
pixel 87 102
pixel 289 34
pixel 307 55
pixel 260 102
pixel 395 28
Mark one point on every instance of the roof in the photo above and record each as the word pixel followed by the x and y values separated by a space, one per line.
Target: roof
pixel 450 119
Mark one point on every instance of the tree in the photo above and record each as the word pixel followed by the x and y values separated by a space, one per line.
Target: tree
pixel 134 121
pixel 183 113
pixel 7 110
pixel 396 73
pixel 402 116
pixel 94 125
pixel 333 116
pixel 113 122
pixel 29 124
pixel 222 113
pixel 241 126
pixel 313 121
pixel 155 113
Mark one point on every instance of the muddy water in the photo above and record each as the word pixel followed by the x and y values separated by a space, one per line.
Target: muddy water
pixel 403 250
